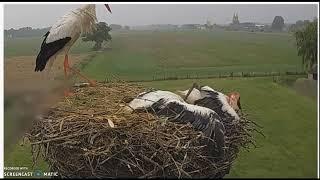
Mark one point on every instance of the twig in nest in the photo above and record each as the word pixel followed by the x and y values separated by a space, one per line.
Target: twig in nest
pixel 77 144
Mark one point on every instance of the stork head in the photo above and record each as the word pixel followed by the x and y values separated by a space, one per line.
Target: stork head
pixel 234 100
pixel 92 8
pixel 88 7
pixel 108 8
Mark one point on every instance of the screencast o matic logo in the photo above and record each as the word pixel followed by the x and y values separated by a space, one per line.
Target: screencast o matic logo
pixel 22 172
pixel 39 173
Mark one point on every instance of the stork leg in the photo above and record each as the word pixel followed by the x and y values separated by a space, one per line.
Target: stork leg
pixel 91 82
pixel 65 66
pixel 48 73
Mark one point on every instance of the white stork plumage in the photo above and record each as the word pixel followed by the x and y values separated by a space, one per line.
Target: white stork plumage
pixel 146 99
pixel 172 106
pixel 63 34
pixel 225 105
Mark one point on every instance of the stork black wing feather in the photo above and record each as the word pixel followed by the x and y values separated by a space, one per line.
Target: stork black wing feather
pixel 212 102
pixel 48 50
pixel 209 124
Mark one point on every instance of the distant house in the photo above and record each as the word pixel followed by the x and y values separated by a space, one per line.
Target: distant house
pixel 313 74
pixel 259 27
pixel 202 27
pixel 244 26
pixel 190 26
pixel 247 25
pixel 250 26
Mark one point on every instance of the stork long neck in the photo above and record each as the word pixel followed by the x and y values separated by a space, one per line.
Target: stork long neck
pixel 88 19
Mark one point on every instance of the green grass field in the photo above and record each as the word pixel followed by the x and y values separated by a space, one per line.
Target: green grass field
pixel 31 47
pixel 142 55
pixel 289 119
pixel 289 122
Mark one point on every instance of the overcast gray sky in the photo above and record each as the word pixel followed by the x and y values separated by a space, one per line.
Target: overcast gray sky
pixel 44 15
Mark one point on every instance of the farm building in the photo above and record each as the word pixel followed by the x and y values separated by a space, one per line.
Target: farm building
pixel 259 27
pixel 190 26
pixel 245 26
pixel 313 74
pixel 202 27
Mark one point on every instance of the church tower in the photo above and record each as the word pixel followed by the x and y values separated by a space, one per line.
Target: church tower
pixel 235 19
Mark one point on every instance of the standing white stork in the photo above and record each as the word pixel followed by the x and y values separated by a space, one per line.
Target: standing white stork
pixel 63 34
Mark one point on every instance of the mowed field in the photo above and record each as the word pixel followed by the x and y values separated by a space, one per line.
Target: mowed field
pixel 31 47
pixel 289 119
pixel 144 55
pixel 19 62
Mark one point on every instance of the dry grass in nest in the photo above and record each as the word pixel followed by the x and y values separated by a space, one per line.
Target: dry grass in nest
pixel 77 140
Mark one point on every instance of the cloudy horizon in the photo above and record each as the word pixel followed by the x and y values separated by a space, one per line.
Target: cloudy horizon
pixel 45 15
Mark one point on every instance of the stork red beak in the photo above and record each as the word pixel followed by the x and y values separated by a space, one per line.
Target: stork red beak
pixel 107 6
pixel 234 100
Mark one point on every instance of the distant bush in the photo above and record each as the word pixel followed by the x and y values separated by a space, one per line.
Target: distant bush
pixel 25 32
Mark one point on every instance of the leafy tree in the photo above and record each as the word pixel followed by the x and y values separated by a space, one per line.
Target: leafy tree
pixel 278 23
pixel 306 22
pixel 299 25
pixel 306 41
pixel 100 34
pixel 126 27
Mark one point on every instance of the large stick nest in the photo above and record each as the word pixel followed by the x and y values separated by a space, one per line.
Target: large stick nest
pixel 77 139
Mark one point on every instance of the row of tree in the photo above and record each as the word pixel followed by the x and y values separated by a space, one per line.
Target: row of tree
pixel 30 32
pixel 305 33
pixel 299 25
pixel 25 32
pixel 278 24
pixel 119 27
